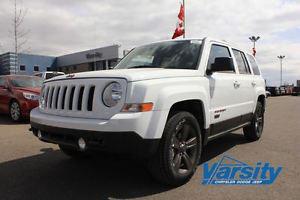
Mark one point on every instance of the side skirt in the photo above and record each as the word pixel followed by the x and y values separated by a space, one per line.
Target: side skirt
pixel 221 128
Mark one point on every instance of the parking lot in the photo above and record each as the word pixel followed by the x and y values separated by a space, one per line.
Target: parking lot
pixel 30 169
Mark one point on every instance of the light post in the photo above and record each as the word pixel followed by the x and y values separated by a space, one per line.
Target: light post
pixel 254 40
pixel 281 57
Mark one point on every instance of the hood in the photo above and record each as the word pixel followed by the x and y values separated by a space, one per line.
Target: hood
pixel 30 90
pixel 134 74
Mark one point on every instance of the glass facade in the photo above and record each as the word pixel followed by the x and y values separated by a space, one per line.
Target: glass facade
pixel 103 58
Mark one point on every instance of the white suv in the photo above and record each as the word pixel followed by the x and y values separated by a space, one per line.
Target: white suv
pixel 164 101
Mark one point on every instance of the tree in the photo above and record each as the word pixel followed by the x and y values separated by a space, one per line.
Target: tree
pixel 19 34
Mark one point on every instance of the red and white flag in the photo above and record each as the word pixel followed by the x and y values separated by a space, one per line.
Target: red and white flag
pixel 253 51
pixel 179 31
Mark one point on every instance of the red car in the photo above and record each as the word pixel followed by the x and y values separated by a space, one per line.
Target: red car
pixel 19 95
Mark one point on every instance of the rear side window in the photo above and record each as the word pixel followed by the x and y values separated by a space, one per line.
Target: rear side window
pixel 253 65
pixel 241 62
pixel 218 51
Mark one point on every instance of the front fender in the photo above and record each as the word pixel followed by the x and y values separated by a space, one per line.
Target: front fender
pixel 166 92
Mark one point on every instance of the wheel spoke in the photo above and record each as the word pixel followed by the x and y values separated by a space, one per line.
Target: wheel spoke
pixel 191 143
pixel 175 143
pixel 187 160
pixel 185 132
pixel 259 119
pixel 177 161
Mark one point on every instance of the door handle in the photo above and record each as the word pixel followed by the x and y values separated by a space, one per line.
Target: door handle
pixel 253 83
pixel 236 84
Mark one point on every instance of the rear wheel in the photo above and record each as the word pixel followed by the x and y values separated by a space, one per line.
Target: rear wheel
pixel 177 157
pixel 254 131
pixel 15 111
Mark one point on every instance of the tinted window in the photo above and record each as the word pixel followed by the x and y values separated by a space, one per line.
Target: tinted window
pixel 218 51
pixel 170 55
pixel 22 68
pixel 253 65
pixel 241 62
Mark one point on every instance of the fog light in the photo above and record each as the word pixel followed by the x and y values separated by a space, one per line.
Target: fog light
pixel 81 144
pixel 39 134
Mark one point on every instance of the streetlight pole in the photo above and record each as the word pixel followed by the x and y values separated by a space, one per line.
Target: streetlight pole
pixel 281 57
pixel 254 39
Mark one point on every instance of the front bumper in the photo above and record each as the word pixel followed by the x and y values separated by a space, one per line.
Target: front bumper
pixel 117 142
pixel 137 133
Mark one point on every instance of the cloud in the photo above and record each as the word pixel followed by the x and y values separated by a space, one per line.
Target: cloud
pixel 59 27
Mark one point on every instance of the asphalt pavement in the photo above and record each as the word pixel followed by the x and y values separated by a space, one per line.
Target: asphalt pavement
pixel 30 169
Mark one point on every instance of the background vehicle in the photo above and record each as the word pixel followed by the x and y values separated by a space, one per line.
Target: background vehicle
pixel 164 101
pixel 296 91
pixel 48 74
pixel 19 95
pixel 282 90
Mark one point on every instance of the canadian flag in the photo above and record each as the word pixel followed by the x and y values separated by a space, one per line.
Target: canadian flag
pixel 179 31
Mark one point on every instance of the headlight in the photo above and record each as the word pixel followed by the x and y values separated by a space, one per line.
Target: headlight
pixel 42 102
pixel 31 96
pixel 42 99
pixel 112 94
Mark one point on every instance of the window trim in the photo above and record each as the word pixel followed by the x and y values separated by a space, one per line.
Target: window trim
pixel 250 65
pixel 245 61
pixel 230 53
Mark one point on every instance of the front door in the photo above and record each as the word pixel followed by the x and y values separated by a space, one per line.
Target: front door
pixel 224 93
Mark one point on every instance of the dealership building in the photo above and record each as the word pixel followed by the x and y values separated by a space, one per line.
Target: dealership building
pixel 95 59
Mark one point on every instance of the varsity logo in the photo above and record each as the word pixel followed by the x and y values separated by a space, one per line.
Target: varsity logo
pixel 229 171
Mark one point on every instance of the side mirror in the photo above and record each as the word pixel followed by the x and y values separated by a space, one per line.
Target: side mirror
pixel 221 64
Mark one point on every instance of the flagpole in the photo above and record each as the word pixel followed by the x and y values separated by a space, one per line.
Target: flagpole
pixel 184 18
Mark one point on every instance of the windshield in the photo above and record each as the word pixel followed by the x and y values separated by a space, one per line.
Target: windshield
pixel 26 81
pixel 171 55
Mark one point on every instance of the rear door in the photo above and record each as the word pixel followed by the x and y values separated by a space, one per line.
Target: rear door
pixel 245 87
pixel 258 83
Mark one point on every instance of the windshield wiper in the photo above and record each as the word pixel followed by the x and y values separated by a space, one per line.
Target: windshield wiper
pixel 144 66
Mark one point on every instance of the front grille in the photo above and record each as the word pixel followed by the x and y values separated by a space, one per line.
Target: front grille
pixel 80 98
pixel 69 97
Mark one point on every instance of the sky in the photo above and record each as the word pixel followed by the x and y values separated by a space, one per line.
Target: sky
pixel 58 27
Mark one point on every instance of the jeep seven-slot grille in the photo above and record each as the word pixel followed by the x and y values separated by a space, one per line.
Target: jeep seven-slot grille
pixel 70 97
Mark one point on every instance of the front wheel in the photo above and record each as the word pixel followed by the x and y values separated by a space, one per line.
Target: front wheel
pixel 15 111
pixel 254 131
pixel 180 148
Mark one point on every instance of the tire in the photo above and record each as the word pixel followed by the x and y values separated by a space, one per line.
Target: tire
pixel 15 111
pixel 72 152
pixel 179 151
pixel 254 131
